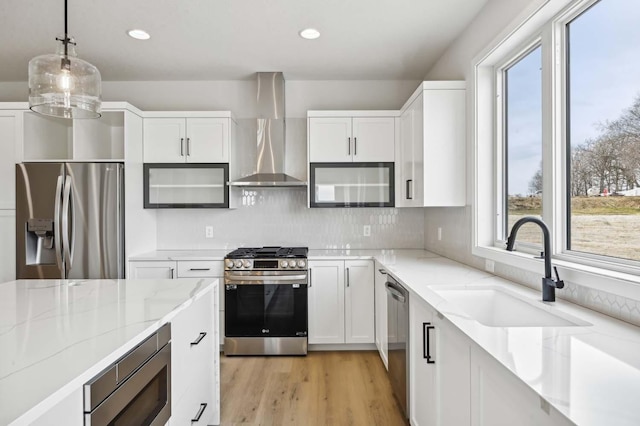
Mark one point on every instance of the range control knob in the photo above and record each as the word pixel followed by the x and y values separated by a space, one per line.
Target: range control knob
pixel 246 263
pixel 301 263
pixel 228 263
pixel 284 264
pixel 238 264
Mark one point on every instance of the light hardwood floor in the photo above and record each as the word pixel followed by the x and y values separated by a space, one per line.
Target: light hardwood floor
pixel 323 388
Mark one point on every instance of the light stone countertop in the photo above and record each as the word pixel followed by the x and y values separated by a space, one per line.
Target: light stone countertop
pixel 591 374
pixel 55 335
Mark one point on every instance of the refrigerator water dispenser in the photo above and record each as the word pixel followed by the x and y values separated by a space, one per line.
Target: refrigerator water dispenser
pixel 40 242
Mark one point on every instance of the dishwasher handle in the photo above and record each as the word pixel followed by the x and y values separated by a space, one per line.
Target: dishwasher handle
pixel 395 292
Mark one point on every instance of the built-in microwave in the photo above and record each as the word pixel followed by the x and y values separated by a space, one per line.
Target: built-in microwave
pixel 136 389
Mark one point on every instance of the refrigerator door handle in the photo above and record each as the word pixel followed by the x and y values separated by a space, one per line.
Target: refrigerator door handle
pixel 56 226
pixel 68 206
pixel 120 207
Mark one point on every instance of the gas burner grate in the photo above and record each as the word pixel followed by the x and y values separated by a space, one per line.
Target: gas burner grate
pixel 271 252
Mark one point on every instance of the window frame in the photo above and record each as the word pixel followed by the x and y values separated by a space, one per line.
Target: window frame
pixel 502 151
pixel 543 22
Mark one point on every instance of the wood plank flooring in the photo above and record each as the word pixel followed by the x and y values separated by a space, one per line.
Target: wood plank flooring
pixel 323 388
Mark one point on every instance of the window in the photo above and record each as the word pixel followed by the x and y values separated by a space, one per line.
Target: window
pixel 603 130
pixel 557 135
pixel 523 144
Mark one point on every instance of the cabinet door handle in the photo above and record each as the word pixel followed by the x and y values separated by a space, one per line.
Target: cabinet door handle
pixel 347 269
pixel 349 146
pixel 426 350
pixel 310 280
pixel 203 406
pixel 181 147
pixel 199 339
pixel 409 189
pixel 188 147
pixel 199 269
pixel 173 273
pixel 355 146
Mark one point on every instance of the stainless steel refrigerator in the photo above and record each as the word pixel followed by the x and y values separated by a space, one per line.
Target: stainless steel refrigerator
pixel 69 220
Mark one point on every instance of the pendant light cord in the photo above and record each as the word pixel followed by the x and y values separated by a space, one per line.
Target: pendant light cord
pixel 66 40
pixel 66 34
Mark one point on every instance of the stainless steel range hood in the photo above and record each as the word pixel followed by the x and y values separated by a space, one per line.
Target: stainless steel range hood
pixel 270 155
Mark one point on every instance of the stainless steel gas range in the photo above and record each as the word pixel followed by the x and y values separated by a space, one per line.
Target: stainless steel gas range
pixel 266 301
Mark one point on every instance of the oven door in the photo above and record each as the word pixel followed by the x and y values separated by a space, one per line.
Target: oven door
pixel 266 310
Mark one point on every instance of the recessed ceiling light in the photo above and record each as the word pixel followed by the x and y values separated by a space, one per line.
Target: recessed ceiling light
pixel 309 33
pixel 139 34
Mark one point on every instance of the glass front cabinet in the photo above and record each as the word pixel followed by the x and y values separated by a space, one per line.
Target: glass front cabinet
pixel 186 185
pixel 351 185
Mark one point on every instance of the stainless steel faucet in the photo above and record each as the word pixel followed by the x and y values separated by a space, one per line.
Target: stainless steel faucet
pixel 549 284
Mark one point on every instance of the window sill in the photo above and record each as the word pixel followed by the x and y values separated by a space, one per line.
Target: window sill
pixel 619 283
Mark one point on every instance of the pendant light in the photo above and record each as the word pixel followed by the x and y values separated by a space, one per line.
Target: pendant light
pixel 62 85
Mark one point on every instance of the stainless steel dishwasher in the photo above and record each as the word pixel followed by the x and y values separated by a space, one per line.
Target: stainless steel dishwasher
pixel 398 341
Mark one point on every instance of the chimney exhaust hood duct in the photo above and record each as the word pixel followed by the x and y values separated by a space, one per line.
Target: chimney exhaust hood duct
pixel 271 134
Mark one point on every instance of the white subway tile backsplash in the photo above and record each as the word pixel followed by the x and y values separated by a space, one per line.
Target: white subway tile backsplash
pixel 279 216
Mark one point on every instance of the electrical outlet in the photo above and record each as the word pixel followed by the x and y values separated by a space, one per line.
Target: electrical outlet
pixel 367 230
pixel 489 265
pixel 439 234
pixel 208 231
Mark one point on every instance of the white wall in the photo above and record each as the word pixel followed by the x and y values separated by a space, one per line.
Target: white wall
pixel 493 22
pixel 455 64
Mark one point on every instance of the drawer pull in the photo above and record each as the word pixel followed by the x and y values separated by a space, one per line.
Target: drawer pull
pixel 199 269
pixel 203 407
pixel 199 339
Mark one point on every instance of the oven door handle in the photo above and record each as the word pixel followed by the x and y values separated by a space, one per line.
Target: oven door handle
pixel 265 277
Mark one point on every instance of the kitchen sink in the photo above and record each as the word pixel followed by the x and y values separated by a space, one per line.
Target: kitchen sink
pixel 495 306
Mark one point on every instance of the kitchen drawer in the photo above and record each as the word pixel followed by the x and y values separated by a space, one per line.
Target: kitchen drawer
pixel 200 268
pixel 189 360
pixel 187 408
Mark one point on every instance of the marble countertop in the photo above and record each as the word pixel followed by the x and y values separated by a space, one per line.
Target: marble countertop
pixel 591 374
pixel 216 254
pixel 55 335
pixel 219 254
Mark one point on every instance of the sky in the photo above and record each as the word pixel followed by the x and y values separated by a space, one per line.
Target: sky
pixel 605 78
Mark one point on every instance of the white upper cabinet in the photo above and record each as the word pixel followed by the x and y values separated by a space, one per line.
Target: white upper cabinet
pixel 330 140
pixel 187 139
pixel 351 136
pixel 431 151
pixel 164 140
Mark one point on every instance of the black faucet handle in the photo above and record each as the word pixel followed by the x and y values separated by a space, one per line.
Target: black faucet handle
pixel 559 282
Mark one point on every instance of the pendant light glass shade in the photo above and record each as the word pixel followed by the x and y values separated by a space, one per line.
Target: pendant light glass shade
pixel 62 85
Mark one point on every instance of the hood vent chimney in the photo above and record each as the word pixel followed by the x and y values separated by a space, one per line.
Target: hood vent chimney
pixel 270 136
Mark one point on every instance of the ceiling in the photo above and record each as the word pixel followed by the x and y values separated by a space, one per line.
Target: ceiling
pixel 232 39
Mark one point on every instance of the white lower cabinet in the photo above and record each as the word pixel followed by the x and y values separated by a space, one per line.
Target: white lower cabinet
pixel 156 269
pixel 455 382
pixel 499 398
pixel 160 269
pixel 341 302
pixel 381 313
pixel 192 363
pixel 439 369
